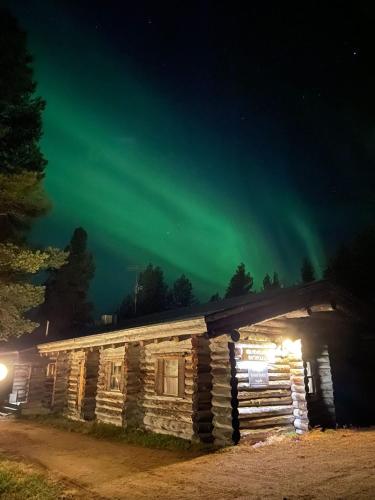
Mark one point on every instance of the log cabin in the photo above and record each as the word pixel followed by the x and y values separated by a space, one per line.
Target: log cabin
pixel 222 372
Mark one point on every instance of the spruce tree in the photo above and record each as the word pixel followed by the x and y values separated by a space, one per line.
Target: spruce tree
pixel 241 283
pixel 182 292
pixel 152 294
pixel 66 305
pixel 276 281
pixel 307 271
pixel 271 284
pixel 215 297
pixel 127 307
pixel 267 284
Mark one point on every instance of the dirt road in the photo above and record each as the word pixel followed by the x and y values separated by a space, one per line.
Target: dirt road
pixel 338 464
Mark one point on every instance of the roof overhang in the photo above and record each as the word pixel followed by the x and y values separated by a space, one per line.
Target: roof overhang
pixel 194 326
pixel 288 303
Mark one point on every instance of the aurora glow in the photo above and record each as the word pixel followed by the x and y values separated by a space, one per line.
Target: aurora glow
pixel 150 182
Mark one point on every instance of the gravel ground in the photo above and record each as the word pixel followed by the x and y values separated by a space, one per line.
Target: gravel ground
pixel 331 464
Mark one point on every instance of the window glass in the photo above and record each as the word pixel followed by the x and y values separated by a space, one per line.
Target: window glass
pixel 310 379
pixel 171 377
pixel 115 376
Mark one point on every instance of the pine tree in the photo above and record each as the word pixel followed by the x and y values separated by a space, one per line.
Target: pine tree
pixel 21 193
pixel 182 292
pixel 240 283
pixel 307 271
pixel 20 133
pixel 152 295
pixel 66 305
pixel 22 199
pixel 18 295
pixel 20 109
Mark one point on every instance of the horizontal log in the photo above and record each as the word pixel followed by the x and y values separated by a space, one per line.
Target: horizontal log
pixel 250 393
pixel 254 435
pixel 301 424
pixel 273 384
pixel 264 411
pixel 108 409
pixel 107 419
pixel 265 402
pixel 266 422
pixel 298 388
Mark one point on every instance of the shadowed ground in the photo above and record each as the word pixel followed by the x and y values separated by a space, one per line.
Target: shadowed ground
pixel 333 464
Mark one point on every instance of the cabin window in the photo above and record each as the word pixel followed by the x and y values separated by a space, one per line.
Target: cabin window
pixel 310 378
pixel 115 376
pixel 51 369
pixel 170 376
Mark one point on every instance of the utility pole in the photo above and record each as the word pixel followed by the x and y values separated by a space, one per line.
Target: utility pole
pixel 137 287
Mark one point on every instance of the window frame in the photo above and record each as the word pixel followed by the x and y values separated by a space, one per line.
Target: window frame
pixel 110 375
pixel 160 376
pixel 310 377
pixel 51 373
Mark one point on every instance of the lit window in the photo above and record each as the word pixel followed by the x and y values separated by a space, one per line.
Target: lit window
pixel 51 369
pixel 115 376
pixel 309 378
pixel 170 377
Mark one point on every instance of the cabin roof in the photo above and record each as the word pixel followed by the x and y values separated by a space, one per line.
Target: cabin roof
pixel 217 317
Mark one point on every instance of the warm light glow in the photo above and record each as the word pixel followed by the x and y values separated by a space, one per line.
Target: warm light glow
pixel 292 347
pixel 3 371
pixel 270 353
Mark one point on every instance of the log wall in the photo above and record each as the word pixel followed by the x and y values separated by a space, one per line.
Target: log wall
pixel 21 378
pixel 60 393
pixel 321 405
pixel 224 401
pixel 301 419
pixel 133 415
pixel 251 413
pixel 49 385
pixel 76 385
pixel 268 409
pixel 202 396
pixel 167 414
pixel 91 384
pixel 110 404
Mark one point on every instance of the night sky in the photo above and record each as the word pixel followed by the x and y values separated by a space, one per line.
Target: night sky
pixel 201 135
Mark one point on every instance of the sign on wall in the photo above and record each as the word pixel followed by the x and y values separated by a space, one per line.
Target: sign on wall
pixel 258 374
pixel 254 354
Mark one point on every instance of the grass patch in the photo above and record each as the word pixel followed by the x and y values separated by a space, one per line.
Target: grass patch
pixel 129 435
pixel 20 481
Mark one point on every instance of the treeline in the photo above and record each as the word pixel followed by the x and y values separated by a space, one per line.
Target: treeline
pixel 152 294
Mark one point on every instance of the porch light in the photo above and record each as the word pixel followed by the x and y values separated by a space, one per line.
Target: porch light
pixel 3 371
pixel 293 347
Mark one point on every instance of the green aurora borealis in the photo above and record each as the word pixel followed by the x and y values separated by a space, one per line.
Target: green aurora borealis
pixel 151 182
